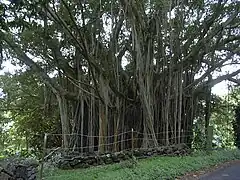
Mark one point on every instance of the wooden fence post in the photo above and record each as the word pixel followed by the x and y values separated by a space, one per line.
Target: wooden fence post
pixel 43 155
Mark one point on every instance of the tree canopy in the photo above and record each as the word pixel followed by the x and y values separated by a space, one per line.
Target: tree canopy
pixel 117 65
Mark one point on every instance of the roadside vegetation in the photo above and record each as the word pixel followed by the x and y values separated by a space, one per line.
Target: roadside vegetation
pixel 147 169
pixel 110 76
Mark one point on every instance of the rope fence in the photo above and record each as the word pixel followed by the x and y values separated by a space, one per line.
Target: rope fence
pixel 125 141
pixel 109 144
pixel 114 135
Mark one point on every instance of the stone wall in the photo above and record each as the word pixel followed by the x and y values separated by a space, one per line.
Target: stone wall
pixel 19 169
pixel 5 175
pixel 72 160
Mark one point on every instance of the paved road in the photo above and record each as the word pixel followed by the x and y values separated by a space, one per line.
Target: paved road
pixel 231 172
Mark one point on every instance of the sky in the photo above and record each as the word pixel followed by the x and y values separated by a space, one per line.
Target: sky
pixel 5 1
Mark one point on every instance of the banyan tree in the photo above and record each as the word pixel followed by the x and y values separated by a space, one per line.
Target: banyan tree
pixel 114 66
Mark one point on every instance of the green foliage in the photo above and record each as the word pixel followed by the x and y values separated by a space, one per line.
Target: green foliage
pixel 131 163
pixel 236 127
pixel 153 168
pixel 4 134
pixel 223 118
pixel 199 139
pixel 72 37
pixel 25 108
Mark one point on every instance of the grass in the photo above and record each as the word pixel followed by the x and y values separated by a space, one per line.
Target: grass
pixel 147 169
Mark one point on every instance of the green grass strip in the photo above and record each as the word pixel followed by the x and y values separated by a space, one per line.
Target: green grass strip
pixel 147 169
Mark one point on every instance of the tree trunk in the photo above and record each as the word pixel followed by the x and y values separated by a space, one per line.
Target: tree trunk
pixel 102 127
pixel 180 105
pixel 62 102
pixel 208 107
pixel 91 118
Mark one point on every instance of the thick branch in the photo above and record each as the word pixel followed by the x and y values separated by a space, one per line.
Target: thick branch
pixel 222 78
pixel 35 67
pixel 237 81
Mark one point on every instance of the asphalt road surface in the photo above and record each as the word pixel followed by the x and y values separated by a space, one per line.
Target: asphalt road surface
pixel 231 172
